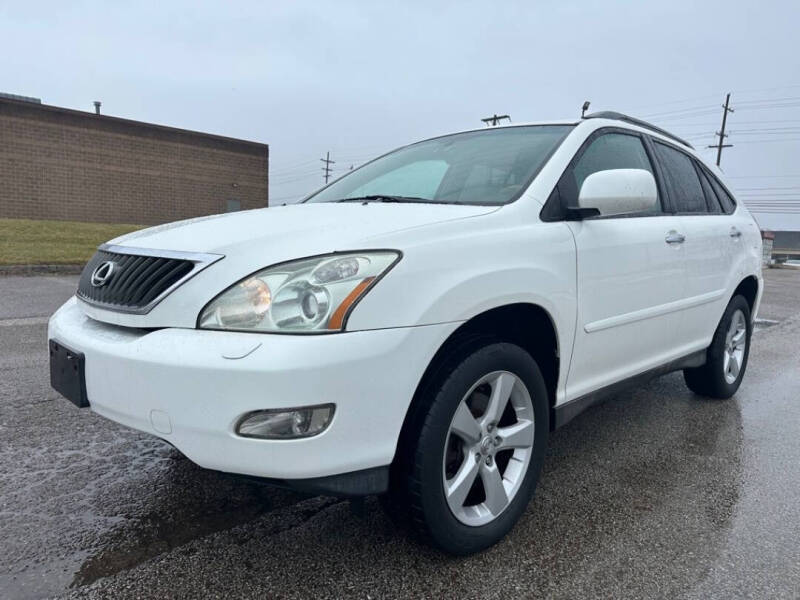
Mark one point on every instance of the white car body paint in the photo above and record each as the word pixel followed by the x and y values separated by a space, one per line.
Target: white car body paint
pixel 621 299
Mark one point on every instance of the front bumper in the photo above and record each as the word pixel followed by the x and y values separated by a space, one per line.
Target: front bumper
pixel 190 387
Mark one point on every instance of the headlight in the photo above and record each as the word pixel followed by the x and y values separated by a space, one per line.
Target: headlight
pixel 311 295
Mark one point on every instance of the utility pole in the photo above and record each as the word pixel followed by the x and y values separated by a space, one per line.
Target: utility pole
pixel 721 133
pixel 327 168
pixel 495 119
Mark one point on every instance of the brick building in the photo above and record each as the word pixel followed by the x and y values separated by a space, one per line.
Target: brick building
pixel 57 163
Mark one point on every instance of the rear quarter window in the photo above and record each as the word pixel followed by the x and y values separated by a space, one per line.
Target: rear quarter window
pixel 714 205
pixel 682 180
pixel 725 199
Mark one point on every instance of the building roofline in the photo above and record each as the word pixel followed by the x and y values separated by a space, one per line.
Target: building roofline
pixel 90 116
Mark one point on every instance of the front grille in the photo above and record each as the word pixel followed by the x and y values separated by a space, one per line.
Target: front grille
pixel 136 281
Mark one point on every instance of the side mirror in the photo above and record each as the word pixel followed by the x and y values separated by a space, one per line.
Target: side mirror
pixel 618 192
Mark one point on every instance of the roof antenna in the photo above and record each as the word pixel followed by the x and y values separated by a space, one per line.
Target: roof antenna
pixel 584 109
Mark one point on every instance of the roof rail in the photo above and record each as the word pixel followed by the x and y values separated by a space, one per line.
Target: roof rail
pixel 610 114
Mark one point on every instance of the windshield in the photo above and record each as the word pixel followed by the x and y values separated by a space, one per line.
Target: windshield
pixel 491 167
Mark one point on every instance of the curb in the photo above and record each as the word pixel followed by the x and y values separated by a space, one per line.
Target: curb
pixel 29 270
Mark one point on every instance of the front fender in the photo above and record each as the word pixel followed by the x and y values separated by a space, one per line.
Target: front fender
pixel 465 275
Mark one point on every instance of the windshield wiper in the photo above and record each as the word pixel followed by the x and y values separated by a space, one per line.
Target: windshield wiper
pixel 386 198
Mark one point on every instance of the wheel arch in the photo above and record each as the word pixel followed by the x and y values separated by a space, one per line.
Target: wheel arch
pixel 528 325
pixel 748 288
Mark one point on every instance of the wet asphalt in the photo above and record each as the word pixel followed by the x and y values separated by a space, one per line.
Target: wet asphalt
pixel 656 494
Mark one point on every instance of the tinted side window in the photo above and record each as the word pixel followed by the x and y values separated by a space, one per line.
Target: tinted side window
pixel 607 151
pixel 711 196
pixel 610 151
pixel 728 203
pixel 681 179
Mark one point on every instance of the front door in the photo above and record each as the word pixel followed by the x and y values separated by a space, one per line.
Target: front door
pixel 630 288
pixel 630 276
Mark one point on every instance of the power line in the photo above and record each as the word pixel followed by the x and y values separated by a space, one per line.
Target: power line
pixel 296 169
pixel 769 121
pixel 770 89
pixel 354 153
pixel 673 102
pixel 698 134
pixel 764 176
pixel 772 106
pixel 786 206
pixel 768 195
pixel 760 189
pixel 293 179
pixel 769 100
pixel 738 122
pixel 789 129
pixel 357 158
pixel 765 133
pixel 703 113
pixel 773 202
pixel 780 140
pixel 678 111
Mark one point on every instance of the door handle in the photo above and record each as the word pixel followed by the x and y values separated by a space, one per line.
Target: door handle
pixel 735 233
pixel 673 237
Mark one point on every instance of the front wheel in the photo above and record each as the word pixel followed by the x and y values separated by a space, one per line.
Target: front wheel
pixel 726 357
pixel 480 449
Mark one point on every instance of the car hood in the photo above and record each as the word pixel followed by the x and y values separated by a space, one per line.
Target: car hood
pixel 253 240
pixel 295 230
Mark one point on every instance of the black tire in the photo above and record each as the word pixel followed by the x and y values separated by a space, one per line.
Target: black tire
pixel 420 484
pixel 709 380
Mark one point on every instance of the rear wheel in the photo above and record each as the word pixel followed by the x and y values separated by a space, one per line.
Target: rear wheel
pixel 726 357
pixel 475 462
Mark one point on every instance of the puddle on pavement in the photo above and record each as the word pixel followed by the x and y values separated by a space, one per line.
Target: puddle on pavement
pixel 94 512
pixel 761 324
pixel 186 504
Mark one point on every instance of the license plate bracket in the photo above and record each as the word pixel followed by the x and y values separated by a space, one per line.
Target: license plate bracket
pixel 68 373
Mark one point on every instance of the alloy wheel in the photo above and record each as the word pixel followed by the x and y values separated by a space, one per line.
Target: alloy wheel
pixel 735 344
pixel 488 448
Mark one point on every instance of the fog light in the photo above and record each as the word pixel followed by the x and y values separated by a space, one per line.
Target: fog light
pixel 285 423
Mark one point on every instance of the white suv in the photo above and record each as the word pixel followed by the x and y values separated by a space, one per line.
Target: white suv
pixel 416 328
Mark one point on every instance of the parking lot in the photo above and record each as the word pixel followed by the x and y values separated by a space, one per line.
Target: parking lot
pixel 656 493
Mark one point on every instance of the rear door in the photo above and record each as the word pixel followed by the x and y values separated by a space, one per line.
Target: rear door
pixel 739 225
pixel 707 229
pixel 629 276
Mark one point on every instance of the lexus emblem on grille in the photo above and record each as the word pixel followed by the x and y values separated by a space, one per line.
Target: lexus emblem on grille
pixel 102 273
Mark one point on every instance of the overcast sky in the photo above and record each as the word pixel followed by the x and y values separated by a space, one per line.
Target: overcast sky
pixel 358 78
